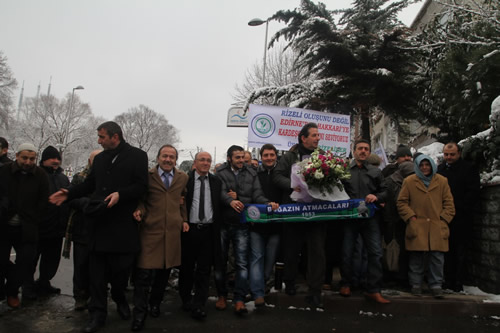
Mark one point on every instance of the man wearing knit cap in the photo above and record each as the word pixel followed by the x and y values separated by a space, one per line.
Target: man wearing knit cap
pixel 52 225
pixel 403 154
pixel 26 188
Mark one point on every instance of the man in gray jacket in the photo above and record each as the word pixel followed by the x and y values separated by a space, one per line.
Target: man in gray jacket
pixel 366 183
pixel 240 186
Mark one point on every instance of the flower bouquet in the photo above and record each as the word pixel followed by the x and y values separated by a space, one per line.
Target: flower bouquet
pixel 320 177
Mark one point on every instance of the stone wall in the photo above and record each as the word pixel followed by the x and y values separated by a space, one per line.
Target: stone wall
pixel 484 255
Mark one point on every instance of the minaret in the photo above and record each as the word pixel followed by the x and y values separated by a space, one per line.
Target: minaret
pixel 37 96
pixel 50 84
pixel 20 104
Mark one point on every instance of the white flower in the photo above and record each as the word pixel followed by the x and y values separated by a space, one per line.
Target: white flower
pixel 319 174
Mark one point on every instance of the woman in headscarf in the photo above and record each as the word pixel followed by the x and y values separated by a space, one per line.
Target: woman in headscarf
pixel 426 205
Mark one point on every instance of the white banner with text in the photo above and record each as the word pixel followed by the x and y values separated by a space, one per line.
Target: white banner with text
pixel 280 126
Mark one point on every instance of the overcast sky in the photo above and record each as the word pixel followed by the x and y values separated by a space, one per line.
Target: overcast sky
pixel 180 58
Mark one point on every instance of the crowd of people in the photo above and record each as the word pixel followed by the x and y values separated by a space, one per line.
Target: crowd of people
pixel 124 222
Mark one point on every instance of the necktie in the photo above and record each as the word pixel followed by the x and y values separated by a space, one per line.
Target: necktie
pixel 201 213
pixel 165 179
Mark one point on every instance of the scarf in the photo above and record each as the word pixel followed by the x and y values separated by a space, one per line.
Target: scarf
pixel 425 179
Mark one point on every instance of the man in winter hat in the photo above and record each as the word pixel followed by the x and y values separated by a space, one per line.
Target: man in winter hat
pixel 52 225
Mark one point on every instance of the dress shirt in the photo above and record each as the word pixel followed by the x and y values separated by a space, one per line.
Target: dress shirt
pixel 169 175
pixel 193 212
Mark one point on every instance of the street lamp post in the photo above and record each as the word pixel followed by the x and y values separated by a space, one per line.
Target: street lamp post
pixel 256 22
pixel 73 95
pixel 70 110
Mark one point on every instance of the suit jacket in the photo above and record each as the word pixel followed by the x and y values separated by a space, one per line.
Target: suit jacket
pixel 164 211
pixel 123 170
pixel 215 194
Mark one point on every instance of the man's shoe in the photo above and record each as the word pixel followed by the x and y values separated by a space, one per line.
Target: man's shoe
pixel 377 297
pixel 123 310
pixel 80 304
pixel 45 287
pixel 345 291
pixel 221 303
pixel 198 314
pixel 239 308
pixel 94 324
pixel 290 289
pixel 437 293
pixel 416 291
pixel 154 310
pixel 13 301
pixel 314 301
pixel 29 293
pixel 260 301
pixel 138 323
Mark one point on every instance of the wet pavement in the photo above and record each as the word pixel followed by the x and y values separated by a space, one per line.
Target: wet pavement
pixel 283 313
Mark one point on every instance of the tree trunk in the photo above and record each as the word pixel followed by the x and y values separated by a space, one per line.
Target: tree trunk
pixel 365 123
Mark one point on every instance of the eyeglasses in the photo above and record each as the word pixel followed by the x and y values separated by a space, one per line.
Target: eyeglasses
pixel 205 160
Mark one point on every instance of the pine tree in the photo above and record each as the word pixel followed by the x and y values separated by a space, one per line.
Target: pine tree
pixel 358 65
pixel 462 63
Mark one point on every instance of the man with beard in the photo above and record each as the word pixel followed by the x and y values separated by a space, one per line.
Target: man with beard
pixel 26 188
pixel 296 234
pixel 118 179
pixel 240 186
pixel 264 237
pixel 52 226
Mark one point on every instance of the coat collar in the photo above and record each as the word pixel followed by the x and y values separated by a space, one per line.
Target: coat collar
pixel 157 178
pixel 421 186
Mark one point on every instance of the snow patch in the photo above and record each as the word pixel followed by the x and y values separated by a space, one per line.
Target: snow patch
pixel 491 298
pixel 434 150
pixel 383 72
pixel 371 314
pixel 490 54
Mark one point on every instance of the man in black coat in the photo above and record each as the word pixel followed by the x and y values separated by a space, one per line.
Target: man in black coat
pixel 296 234
pixel 4 149
pixel 77 233
pixel 201 244
pixel 26 190
pixel 119 177
pixel 52 225
pixel 464 183
pixel 264 237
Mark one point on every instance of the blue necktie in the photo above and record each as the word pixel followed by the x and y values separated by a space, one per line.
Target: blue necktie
pixel 165 179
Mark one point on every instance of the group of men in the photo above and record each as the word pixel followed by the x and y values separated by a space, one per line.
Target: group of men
pixel 142 223
pixel 34 228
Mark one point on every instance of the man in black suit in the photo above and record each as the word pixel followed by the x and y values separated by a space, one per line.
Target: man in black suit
pixel 119 177
pixel 464 182
pixel 200 243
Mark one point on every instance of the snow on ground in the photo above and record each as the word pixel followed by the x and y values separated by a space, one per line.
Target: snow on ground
pixel 492 298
